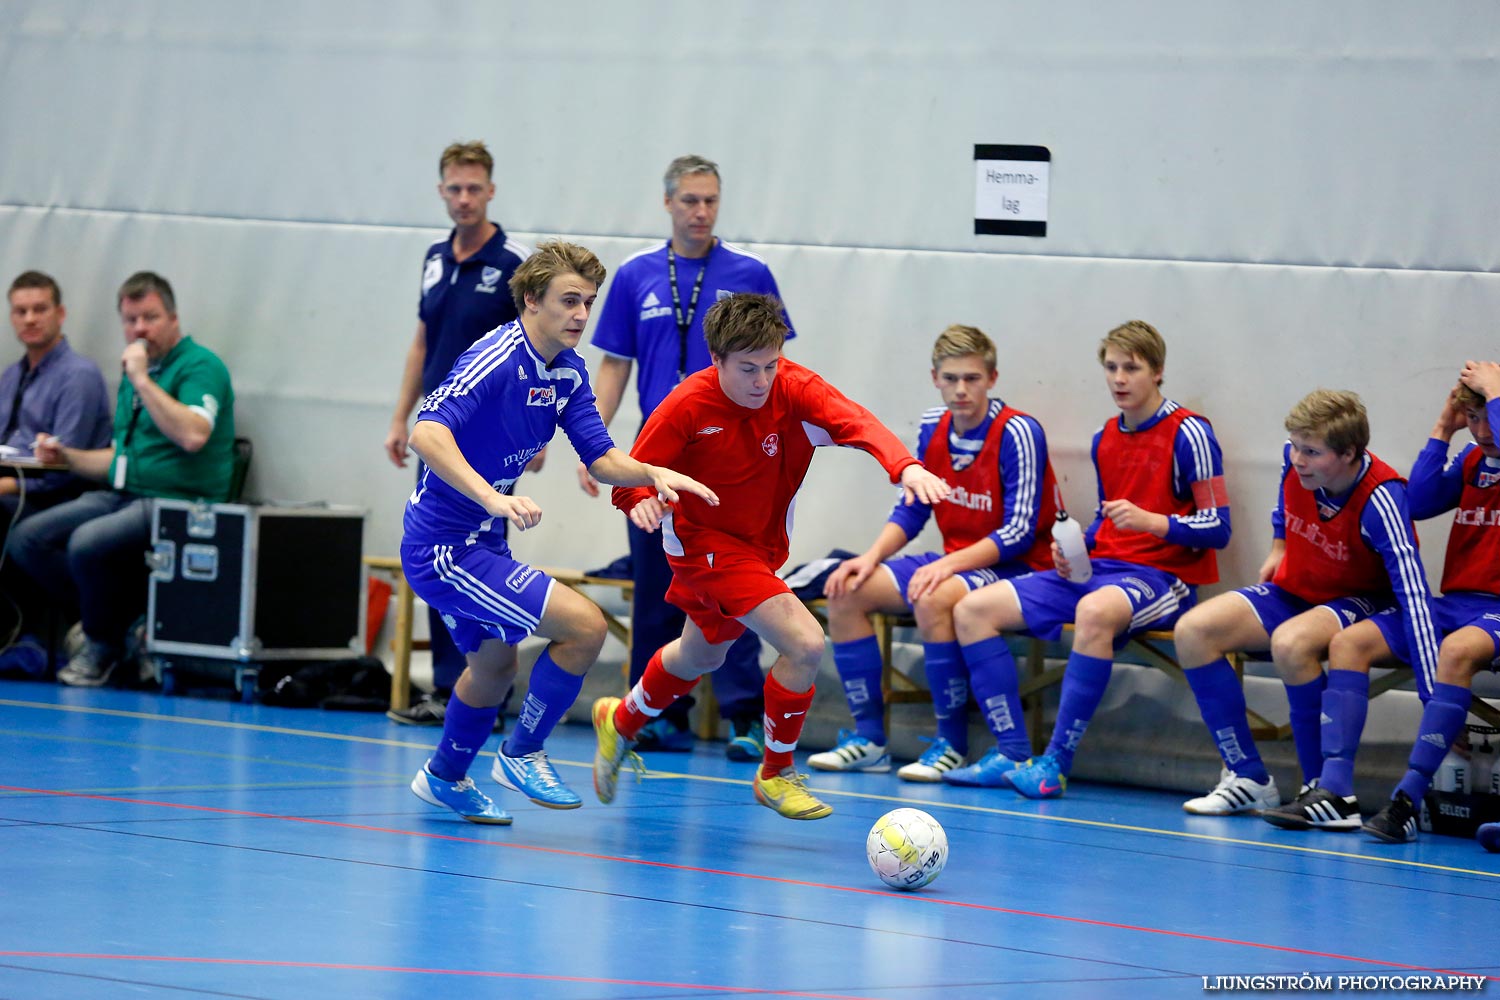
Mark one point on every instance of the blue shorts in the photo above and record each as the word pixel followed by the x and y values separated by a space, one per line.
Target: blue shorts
pixel 482 593
pixel 901 569
pixel 1157 599
pixel 1450 613
pixel 1274 606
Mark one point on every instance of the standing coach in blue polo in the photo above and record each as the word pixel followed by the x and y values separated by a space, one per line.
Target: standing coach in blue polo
pixel 503 402
pixel 654 315
pixel 465 295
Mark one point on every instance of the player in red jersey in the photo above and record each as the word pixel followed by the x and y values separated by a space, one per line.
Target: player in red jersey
pixel 749 424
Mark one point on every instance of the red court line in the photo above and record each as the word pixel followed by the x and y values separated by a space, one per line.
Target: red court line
pixel 561 852
pixel 472 973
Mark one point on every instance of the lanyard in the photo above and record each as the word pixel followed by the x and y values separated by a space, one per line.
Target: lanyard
pixel 684 322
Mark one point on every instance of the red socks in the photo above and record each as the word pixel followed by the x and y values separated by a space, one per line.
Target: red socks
pixel 652 694
pixel 786 711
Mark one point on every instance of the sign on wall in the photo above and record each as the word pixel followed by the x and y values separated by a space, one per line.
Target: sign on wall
pixel 1010 190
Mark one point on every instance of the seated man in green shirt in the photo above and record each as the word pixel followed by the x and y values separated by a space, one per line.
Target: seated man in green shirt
pixel 173 437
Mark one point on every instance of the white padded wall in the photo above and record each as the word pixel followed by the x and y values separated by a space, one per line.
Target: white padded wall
pixel 1296 195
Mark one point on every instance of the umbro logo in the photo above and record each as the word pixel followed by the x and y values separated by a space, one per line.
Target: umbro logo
pixel 709 430
pixel 1436 739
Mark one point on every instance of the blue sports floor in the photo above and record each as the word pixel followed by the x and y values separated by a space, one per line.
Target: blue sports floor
pixel 177 848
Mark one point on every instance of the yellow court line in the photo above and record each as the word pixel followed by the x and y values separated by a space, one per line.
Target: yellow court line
pixel 899 800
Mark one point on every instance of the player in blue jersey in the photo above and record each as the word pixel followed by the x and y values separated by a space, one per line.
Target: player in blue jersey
pixel 465 294
pixel 653 317
pixel 1343 549
pixel 1467 615
pixel 501 404
pixel 1163 511
pixel 997 523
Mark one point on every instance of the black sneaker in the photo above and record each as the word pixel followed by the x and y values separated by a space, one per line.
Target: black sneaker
pixel 1396 823
pixel 431 710
pixel 1316 807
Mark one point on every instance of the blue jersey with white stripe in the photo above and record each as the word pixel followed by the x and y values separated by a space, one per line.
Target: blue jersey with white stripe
pixel 1386 527
pixel 1023 460
pixel 503 403
pixel 637 320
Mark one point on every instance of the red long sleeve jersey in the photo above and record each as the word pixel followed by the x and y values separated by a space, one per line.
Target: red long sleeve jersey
pixel 755 460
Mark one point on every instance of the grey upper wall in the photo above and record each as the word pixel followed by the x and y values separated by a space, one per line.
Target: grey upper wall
pixel 1296 194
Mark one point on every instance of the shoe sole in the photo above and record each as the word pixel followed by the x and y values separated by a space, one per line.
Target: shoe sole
pixel 1252 809
pixel 921 777
pixel 1299 823
pixel 596 715
pixel 419 789
pixel 823 810
pixel 882 766
pixel 742 755
pixel 503 779
pixel 1386 838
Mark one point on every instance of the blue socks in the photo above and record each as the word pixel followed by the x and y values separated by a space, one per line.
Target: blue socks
pixel 948 680
pixel 1221 702
pixel 1346 702
pixel 1306 701
pixel 465 730
pixel 859 667
pixel 551 693
pixel 997 689
pixel 1082 690
pixel 1442 720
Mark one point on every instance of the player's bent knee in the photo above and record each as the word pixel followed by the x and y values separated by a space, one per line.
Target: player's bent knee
pixel 1463 654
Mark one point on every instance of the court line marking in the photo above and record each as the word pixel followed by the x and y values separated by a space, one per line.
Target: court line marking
pixel 801 883
pixel 657 774
pixel 471 973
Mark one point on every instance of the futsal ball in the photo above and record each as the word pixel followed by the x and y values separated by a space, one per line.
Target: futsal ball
pixel 907 848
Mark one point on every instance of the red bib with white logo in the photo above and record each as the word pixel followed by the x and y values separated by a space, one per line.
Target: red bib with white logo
pixel 1329 559
pixel 1473 559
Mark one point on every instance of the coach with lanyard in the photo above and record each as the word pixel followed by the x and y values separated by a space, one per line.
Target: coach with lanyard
pixel 654 315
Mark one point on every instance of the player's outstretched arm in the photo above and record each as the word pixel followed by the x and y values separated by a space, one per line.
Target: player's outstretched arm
pixel 435 446
pixel 919 484
pixel 619 469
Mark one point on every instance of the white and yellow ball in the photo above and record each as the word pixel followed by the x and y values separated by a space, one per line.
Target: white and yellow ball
pixel 907 848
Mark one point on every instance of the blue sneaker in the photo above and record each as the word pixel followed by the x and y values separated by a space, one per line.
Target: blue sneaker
pixel 463 798
pixel 748 742
pixel 938 760
pixel 993 770
pixel 1040 778
pixel 1489 837
pixel 532 775
pixel 661 735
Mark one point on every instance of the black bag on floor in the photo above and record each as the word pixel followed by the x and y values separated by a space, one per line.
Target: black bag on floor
pixel 359 684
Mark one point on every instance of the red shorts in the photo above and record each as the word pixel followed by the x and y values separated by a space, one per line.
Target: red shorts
pixel 714 595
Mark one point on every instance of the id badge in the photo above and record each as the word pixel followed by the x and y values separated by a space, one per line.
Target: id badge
pixel 119 483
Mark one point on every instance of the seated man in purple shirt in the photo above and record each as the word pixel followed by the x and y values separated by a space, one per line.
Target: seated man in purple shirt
pixel 54 390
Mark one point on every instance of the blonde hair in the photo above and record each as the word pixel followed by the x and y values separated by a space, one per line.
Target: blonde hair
pixel 959 341
pixel 1467 399
pixel 551 259
pixel 1335 416
pixel 1139 338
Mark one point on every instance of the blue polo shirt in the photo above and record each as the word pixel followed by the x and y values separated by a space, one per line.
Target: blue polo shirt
pixel 637 320
pixel 64 395
pixel 461 302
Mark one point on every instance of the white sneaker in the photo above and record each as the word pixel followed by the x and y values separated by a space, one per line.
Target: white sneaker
pixel 1235 794
pixel 853 753
pixel 939 759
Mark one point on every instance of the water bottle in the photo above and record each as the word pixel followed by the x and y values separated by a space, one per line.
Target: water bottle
pixel 1069 537
pixel 1452 774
